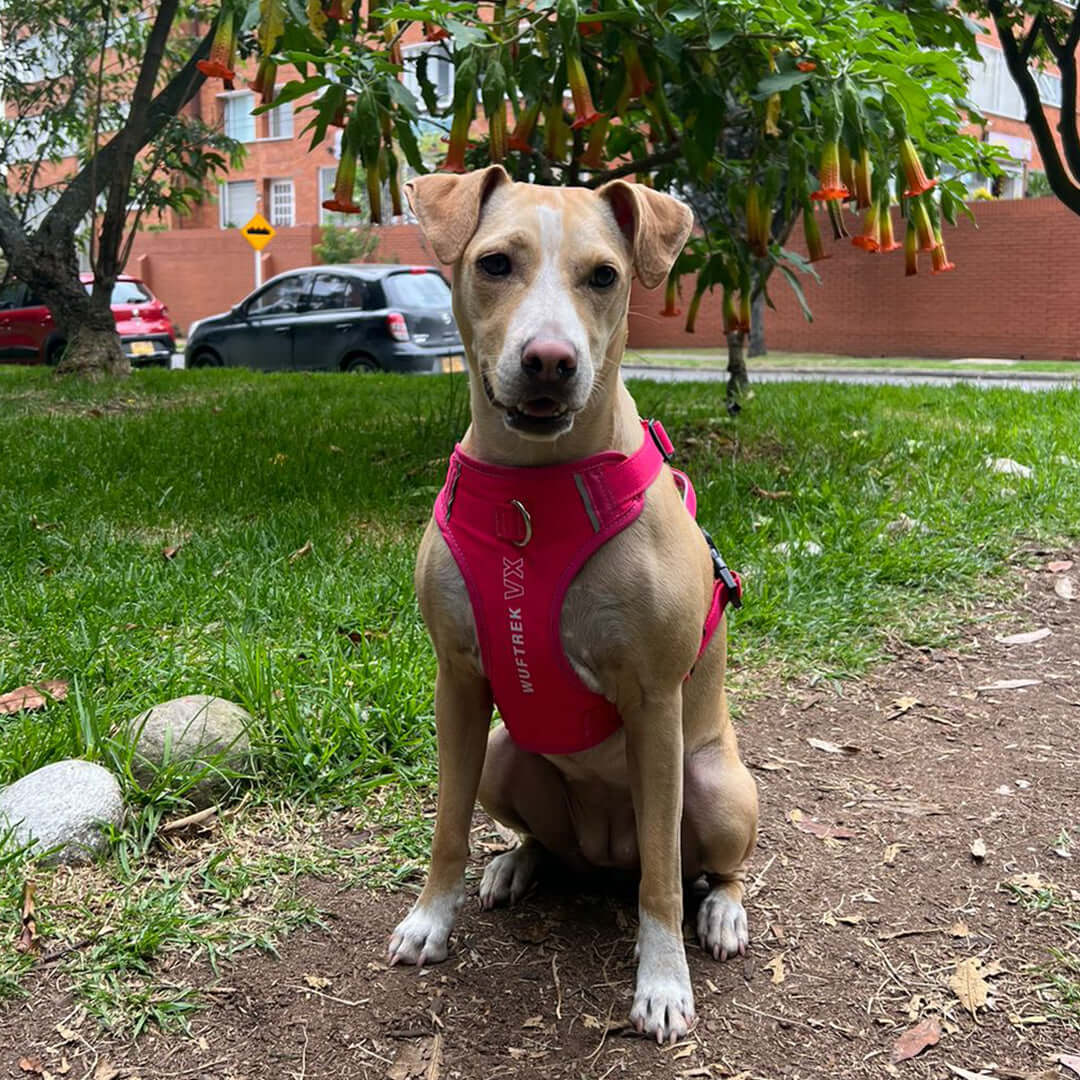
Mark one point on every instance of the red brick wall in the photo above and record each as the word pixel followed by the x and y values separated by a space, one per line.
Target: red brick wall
pixel 1013 294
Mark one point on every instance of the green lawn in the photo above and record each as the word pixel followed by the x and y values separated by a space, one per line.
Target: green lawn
pixel 241 471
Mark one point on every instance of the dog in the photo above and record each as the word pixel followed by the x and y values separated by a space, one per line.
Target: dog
pixel 641 769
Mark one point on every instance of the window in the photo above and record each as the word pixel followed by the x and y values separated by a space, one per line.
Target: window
pixel 1049 88
pixel 280 298
pixel 239 124
pixel 279 121
pixel 237 203
pixel 125 292
pixel 330 292
pixel 425 290
pixel 437 68
pixel 282 203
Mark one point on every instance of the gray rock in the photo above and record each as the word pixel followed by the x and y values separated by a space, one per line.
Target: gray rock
pixel 66 805
pixel 192 734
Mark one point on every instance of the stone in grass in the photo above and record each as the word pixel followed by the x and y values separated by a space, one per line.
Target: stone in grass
pixel 195 736
pixel 66 806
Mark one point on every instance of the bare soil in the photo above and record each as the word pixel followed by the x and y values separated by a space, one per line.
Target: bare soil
pixel 865 897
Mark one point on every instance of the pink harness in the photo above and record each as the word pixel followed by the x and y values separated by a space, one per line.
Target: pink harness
pixel 520 536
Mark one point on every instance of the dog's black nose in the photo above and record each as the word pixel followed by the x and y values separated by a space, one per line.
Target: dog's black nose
pixel 549 360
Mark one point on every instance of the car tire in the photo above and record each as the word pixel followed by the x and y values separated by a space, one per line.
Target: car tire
pixel 205 358
pixel 362 365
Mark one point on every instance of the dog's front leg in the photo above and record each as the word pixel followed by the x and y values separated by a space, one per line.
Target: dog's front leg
pixel 462 717
pixel 663 997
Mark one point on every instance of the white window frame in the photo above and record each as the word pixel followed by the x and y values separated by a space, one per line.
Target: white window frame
pixel 278 189
pixel 279 121
pixel 237 96
pixel 225 218
pixel 411 81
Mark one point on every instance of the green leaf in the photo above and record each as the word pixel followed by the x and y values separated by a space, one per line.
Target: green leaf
pixel 796 288
pixel 780 81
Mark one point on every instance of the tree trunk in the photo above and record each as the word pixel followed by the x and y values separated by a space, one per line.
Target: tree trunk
pixel 93 352
pixel 757 327
pixel 738 380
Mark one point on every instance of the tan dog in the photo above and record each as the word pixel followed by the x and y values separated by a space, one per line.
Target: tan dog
pixel 541 294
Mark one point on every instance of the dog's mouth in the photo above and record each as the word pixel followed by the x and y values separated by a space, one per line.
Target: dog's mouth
pixel 545 417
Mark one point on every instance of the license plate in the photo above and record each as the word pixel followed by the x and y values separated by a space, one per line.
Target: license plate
pixel 142 348
pixel 452 364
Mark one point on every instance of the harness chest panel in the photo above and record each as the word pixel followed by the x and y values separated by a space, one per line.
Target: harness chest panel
pixel 519 537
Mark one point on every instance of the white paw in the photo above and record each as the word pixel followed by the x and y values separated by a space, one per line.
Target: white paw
pixel 663 997
pixel 721 925
pixel 508 876
pixel 422 936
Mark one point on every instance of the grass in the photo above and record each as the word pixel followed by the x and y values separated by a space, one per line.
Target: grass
pixel 296 503
pixel 717 358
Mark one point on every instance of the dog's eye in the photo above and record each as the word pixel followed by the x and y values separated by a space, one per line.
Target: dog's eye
pixel 495 265
pixel 603 277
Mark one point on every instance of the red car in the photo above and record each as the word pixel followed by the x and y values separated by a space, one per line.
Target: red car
pixel 28 335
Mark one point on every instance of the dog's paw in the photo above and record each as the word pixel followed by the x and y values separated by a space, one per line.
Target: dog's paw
pixel 721 925
pixel 507 877
pixel 423 935
pixel 663 1007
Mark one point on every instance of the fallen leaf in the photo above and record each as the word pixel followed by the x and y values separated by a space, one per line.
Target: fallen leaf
pixel 819 828
pixel 316 982
pixel 761 493
pixel 1066 588
pixel 915 1040
pixel 301 552
pixel 1070 1061
pixel 28 938
pixel 1024 639
pixel 978 849
pixel 1008 684
pixel 965 1074
pixel 959 929
pixel 967 983
pixel 1060 566
pixel 534 1022
pixel 64 1067
pixel 106 1070
pixel 170 552
pixel 831 747
pixel 31 1065
pixel 776 966
pixel 902 705
pixel 888 856
pixel 411 1060
pixel 33 697
pixel 1007 467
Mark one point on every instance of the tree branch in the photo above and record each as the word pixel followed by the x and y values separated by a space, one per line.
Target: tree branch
pixel 1060 182
pixel 650 161
pixel 1032 36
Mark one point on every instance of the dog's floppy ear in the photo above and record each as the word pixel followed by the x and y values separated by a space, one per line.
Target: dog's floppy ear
pixel 656 225
pixel 448 206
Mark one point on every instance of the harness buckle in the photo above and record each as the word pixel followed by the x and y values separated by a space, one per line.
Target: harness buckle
pixel 721 571
pixel 663 443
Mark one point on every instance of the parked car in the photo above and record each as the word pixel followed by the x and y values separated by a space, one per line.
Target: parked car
pixel 29 336
pixel 358 317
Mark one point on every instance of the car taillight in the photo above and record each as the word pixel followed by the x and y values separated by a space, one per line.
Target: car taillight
pixel 395 324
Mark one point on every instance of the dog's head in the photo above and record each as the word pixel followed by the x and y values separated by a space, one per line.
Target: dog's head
pixel 542 282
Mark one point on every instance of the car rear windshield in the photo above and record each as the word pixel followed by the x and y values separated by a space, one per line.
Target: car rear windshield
pixel 125 292
pixel 417 290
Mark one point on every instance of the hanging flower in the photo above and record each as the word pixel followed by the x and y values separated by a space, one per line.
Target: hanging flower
pixel 373 181
pixel 847 173
pixel 870 238
pixel 836 220
pixel 335 11
pixel 692 310
pixel 758 223
pixel 497 139
pixel 521 138
pixel 911 250
pixel 806 65
pixel 584 112
pixel 832 187
pixel 265 80
pixel 395 186
pixel 731 318
pixel 671 294
pixel 914 175
pixel 772 115
pixel 393 43
pixel 434 32
pixel 939 261
pixel 888 240
pixel 345 183
pixel 593 158
pixel 744 312
pixel 459 137
pixel 556 132
pixel 812 232
pixel 640 83
pixel 862 171
pixel 222 60
pixel 925 229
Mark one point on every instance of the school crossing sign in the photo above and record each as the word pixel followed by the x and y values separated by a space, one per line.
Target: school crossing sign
pixel 259 232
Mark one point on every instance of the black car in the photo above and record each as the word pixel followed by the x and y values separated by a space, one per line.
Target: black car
pixel 362 317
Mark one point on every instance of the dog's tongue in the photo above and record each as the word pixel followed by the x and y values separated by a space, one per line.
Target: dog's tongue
pixel 542 406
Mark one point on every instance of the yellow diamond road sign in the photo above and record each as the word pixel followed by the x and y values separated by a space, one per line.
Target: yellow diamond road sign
pixel 259 232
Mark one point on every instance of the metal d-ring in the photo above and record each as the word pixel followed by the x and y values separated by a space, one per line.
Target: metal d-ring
pixel 528 523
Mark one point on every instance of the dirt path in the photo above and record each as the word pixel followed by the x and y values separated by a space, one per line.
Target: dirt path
pixel 861 911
